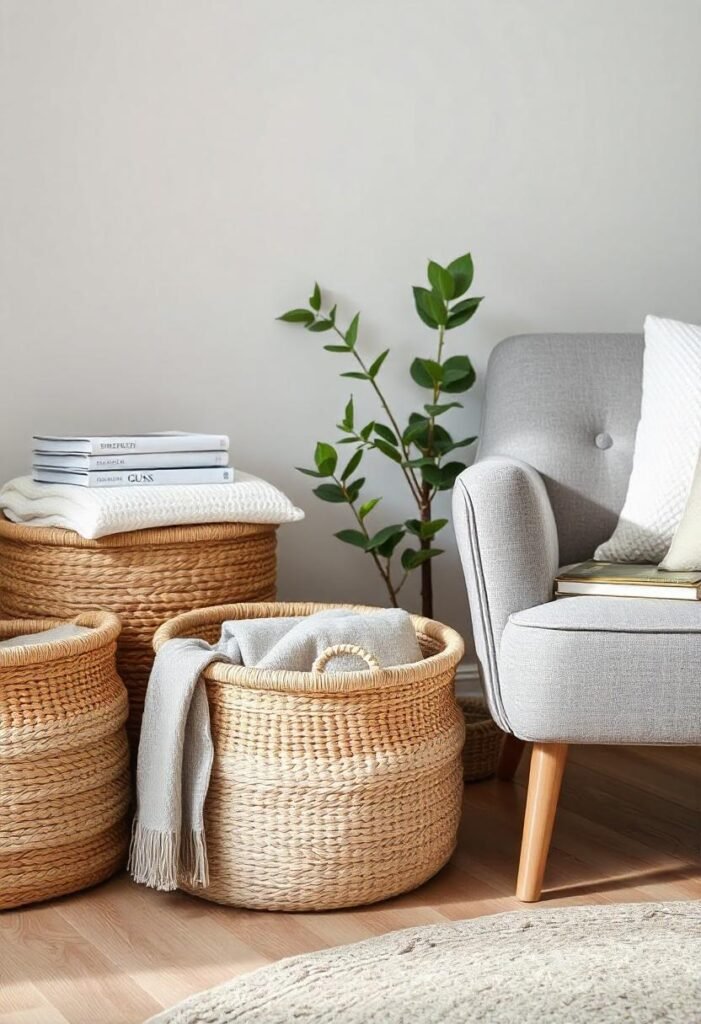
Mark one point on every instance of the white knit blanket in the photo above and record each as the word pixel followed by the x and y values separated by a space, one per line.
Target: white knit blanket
pixel 176 750
pixel 97 512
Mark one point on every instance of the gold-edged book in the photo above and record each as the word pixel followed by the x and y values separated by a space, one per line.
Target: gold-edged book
pixel 613 579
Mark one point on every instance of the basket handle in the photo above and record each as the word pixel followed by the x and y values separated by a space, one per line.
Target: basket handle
pixel 331 652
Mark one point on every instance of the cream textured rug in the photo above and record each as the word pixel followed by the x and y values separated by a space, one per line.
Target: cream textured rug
pixel 634 963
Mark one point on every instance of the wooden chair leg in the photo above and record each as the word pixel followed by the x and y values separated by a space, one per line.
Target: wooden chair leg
pixel 510 758
pixel 547 767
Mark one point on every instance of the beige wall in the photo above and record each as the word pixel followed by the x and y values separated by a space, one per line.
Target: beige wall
pixel 176 172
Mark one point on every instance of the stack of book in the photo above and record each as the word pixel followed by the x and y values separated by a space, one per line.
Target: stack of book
pixel 132 460
pixel 612 579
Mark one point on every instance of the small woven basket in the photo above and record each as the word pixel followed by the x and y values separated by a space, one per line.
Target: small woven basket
pixel 64 773
pixel 145 577
pixel 483 740
pixel 328 790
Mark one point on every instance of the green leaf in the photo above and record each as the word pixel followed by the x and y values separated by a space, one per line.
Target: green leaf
pixel 332 314
pixel 458 375
pixel 387 449
pixel 346 440
pixel 387 549
pixel 330 492
pixel 352 332
pixel 367 507
pixel 438 410
pixel 315 299
pixel 354 537
pixel 354 488
pixel 325 458
pixel 336 348
pixel 320 325
pixel 309 472
pixel 353 464
pixel 413 559
pixel 417 463
pixel 426 372
pixel 375 368
pixel 423 300
pixel 297 316
pixel 386 433
pixel 462 271
pixel 462 312
pixel 387 533
pixel 367 430
pixel 425 530
pixel 441 281
pixel 443 477
pixel 443 447
pixel 349 415
pixel 418 427
pixel 356 375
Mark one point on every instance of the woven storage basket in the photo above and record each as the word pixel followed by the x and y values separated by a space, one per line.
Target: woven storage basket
pixel 64 775
pixel 328 790
pixel 483 740
pixel 145 577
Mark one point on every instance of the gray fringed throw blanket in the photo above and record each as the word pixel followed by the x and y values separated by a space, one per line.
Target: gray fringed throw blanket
pixel 176 750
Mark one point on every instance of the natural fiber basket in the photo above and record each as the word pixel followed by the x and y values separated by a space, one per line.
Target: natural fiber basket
pixel 145 577
pixel 483 740
pixel 328 790
pixel 64 774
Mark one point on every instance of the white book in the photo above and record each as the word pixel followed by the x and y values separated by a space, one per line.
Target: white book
pixel 621 590
pixel 136 444
pixel 134 477
pixel 152 460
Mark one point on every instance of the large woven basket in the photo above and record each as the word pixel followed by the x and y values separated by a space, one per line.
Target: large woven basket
pixel 145 577
pixel 64 775
pixel 328 790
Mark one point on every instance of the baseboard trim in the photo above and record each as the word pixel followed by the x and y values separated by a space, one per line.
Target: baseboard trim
pixel 467 680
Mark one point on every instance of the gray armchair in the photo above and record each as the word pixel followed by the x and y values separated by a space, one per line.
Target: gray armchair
pixel 551 474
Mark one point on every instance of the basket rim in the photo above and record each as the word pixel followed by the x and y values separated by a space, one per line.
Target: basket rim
pixel 105 626
pixel 189 533
pixel 317 683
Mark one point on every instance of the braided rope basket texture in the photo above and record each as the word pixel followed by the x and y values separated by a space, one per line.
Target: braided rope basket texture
pixel 483 740
pixel 64 761
pixel 146 577
pixel 328 790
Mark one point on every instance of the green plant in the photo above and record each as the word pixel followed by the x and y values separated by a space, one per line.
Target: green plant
pixel 419 450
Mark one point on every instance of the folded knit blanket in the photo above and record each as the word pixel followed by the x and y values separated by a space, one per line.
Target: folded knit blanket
pixel 96 512
pixel 176 750
pixel 47 636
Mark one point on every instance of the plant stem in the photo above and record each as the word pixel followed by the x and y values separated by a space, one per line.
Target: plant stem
pixel 385 574
pixel 408 472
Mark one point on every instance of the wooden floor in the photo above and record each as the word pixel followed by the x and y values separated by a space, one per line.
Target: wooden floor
pixel 628 829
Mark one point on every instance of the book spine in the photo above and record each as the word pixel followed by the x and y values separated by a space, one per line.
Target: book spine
pixel 153 460
pixel 147 477
pixel 165 443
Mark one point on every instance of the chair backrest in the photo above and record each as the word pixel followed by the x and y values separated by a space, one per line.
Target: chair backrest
pixel 568 405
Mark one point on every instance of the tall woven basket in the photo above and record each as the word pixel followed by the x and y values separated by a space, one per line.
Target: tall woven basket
pixel 64 775
pixel 328 790
pixel 145 577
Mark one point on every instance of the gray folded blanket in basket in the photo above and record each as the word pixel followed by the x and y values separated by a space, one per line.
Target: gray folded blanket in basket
pixel 176 751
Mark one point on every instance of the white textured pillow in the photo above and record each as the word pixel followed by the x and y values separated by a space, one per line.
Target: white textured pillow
pixel 685 553
pixel 666 444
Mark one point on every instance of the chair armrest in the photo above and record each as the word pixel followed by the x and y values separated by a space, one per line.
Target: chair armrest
pixel 507 538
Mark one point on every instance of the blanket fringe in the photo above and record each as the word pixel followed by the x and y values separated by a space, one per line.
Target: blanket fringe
pixel 153 857
pixel 157 859
pixel 193 857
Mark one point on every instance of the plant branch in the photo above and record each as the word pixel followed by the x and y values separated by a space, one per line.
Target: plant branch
pixel 376 558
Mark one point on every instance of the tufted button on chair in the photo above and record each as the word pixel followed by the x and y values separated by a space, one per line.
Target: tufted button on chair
pixel 550 479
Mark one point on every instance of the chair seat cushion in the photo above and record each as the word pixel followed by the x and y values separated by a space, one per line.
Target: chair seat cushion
pixel 604 670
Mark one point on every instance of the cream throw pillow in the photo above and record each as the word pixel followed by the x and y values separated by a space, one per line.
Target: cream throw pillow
pixel 666 444
pixel 685 553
